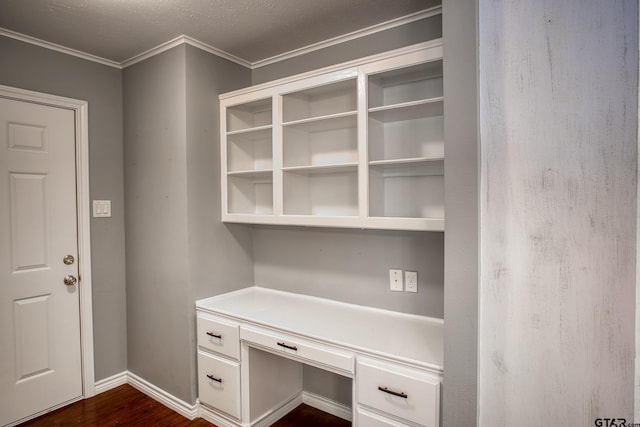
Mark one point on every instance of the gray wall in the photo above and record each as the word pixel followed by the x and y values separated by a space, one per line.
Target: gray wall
pixel 34 68
pixel 559 122
pixel 220 255
pixel 156 222
pixel 461 253
pixel 352 265
pixel 177 250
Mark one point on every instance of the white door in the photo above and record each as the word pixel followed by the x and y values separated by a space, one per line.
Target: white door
pixel 40 354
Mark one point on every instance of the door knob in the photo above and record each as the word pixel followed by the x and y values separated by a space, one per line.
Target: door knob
pixel 70 280
pixel 68 259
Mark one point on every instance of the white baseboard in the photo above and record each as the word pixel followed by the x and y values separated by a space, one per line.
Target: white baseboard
pixel 207 414
pixel 168 400
pixel 327 405
pixel 154 392
pixel 111 382
pixel 193 411
pixel 274 416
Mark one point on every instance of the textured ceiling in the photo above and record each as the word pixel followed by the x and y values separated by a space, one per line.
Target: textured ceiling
pixel 249 29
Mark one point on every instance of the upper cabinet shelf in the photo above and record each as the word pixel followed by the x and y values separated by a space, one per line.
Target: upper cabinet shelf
pixel 355 146
pixel 325 101
pixel 250 116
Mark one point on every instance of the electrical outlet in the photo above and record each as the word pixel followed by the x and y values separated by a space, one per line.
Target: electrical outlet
pixel 411 279
pixel 101 208
pixel 395 280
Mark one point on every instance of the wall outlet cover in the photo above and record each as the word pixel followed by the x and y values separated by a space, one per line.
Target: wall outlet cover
pixel 411 281
pixel 395 280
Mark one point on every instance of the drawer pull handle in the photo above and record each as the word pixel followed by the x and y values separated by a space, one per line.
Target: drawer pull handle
pixel 290 347
pixel 211 334
pixel 212 378
pixel 395 393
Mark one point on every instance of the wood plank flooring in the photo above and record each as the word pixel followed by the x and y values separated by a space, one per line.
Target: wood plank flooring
pixel 126 406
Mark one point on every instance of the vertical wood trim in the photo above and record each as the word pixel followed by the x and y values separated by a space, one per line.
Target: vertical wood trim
pixel 636 394
pixel 84 248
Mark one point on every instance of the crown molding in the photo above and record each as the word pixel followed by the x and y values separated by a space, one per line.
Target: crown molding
pixel 58 48
pixel 397 22
pixel 184 39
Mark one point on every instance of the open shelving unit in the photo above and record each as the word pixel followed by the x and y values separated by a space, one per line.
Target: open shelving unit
pixel 405 111
pixel 354 146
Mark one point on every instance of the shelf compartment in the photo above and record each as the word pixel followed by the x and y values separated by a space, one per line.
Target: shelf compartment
pixel 320 101
pixel 321 142
pixel 251 115
pixel 250 150
pixel 417 138
pixel 313 191
pixel 250 193
pixel 410 188
pixel 408 84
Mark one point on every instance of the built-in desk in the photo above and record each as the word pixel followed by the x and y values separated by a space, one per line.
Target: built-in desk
pixel 252 343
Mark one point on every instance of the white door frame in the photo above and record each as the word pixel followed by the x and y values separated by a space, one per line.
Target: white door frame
pixel 80 108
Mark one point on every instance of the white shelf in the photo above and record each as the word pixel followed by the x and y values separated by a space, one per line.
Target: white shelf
pixel 265 174
pixel 359 147
pixel 326 122
pixel 408 110
pixel 321 170
pixel 413 160
pixel 252 133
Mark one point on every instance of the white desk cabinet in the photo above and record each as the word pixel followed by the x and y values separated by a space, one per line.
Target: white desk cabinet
pixel 355 145
pixel 252 344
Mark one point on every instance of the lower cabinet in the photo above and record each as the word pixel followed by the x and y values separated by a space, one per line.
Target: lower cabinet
pixel 250 369
pixel 219 383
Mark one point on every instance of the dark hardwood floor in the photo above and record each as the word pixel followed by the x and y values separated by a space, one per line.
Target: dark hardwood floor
pixel 126 406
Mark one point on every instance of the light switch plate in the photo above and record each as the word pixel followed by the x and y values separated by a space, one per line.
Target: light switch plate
pixel 102 208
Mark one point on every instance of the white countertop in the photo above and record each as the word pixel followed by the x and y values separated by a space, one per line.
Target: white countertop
pixel 410 338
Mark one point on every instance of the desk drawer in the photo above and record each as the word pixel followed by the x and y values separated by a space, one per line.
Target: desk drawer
pixel 219 383
pixel 299 348
pixel 219 335
pixel 408 393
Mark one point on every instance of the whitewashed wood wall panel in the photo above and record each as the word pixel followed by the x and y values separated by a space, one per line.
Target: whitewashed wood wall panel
pixel 558 118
